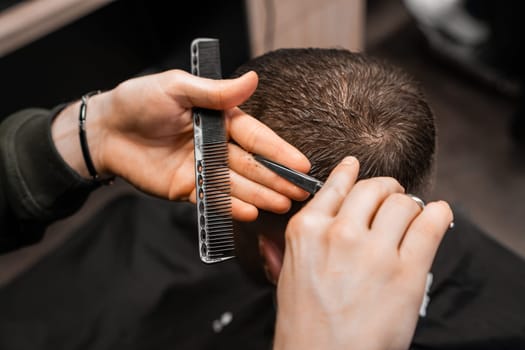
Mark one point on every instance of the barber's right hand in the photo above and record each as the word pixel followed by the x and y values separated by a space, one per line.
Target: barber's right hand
pixel 142 131
pixel 355 265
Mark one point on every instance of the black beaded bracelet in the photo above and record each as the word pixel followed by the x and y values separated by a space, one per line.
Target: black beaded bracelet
pixel 83 139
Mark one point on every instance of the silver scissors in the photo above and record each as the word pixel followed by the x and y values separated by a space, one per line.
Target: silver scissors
pixel 308 183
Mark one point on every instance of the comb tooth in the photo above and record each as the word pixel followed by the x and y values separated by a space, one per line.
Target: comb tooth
pixel 222 248
pixel 219 249
pixel 216 166
pixel 219 221
pixel 220 240
pixel 219 224
pixel 221 176
pixel 220 210
pixel 219 198
pixel 222 231
pixel 223 210
pixel 223 252
pixel 216 161
pixel 215 223
pixel 218 188
pixel 221 236
pixel 223 256
pixel 220 181
pixel 220 243
pixel 214 146
pixel 218 176
pixel 221 201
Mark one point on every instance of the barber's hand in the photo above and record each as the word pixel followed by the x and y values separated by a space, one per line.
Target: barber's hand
pixel 142 131
pixel 355 265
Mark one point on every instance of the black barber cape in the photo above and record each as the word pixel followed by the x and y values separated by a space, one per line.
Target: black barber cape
pixel 132 279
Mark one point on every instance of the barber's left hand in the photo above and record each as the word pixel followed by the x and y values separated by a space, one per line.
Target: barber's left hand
pixel 355 265
pixel 142 131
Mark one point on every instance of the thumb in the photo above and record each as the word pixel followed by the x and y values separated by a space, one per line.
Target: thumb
pixel 192 91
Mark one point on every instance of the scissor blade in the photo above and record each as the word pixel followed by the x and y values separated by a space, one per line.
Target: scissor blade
pixel 306 182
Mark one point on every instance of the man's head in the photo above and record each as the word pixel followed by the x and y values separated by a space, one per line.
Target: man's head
pixel 330 103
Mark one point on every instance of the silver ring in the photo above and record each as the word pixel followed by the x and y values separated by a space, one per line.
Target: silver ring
pixel 421 204
pixel 418 201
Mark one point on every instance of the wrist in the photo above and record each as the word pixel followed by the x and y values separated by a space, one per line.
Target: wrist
pixel 96 113
pixel 65 134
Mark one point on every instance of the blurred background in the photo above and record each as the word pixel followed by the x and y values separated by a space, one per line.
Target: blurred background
pixel 467 55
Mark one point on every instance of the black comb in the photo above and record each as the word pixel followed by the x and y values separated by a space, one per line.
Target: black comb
pixel 212 173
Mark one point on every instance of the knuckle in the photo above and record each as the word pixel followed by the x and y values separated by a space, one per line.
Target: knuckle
pixel 335 191
pixel 391 184
pixel 176 77
pixel 391 268
pixel 402 200
pixel 300 224
pixel 253 136
pixel 342 233
pixel 338 232
pixel 399 199
pixel 377 187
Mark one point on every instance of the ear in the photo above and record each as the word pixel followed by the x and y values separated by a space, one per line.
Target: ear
pixel 247 250
pixel 272 226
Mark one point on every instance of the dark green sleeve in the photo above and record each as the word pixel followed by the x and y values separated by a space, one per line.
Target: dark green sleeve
pixel 36 186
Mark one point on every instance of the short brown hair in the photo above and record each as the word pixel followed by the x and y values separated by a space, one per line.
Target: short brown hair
pixel 330 103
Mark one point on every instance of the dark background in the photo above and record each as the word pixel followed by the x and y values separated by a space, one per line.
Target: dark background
pixel 120 40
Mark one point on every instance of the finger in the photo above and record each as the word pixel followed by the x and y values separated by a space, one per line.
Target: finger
pixel 192 91
pixel 242 211
pixel 336 188
pixel 255 137
pixel 422 239
pixel 245 165
pixel 366 197
pixel 393 218
pixel 252 196
pixel 258 195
